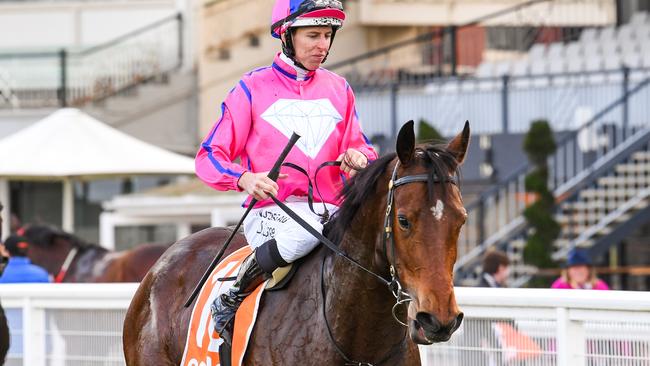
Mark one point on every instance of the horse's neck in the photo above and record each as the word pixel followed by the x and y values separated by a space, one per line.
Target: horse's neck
pixel 84 268
pixel 358 304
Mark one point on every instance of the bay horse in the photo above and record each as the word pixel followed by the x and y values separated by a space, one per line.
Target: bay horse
pixel 426 214
pixel 4 327
pixel 51 248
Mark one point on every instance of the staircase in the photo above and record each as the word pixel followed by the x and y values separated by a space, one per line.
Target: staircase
pixel 75 77
pixel 600 176
pixel 161 111
pixel 7 96
pixel 135 83
pixel 608 210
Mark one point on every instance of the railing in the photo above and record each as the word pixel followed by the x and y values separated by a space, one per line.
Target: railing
pixel 496 216
pixel 66 324
pixel 547 327
pixel 505 104
pixel 75 77
pixel 81 324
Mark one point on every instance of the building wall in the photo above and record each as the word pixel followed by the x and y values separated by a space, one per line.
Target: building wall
pixel 29 25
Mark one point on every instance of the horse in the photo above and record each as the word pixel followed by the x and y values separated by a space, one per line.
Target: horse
pixel 70 259
pixel 333 312
pixel 4 327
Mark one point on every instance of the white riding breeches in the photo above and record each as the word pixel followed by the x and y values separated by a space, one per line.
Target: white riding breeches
pixel 293 241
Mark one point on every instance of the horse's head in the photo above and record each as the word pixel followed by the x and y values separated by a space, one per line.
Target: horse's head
pixel 49 246
pixel 426 218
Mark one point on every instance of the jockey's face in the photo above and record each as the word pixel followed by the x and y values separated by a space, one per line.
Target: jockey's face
pixel 311 45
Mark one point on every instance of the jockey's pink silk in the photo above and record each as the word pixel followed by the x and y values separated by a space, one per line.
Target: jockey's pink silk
pixel 258 117
pixel 562 284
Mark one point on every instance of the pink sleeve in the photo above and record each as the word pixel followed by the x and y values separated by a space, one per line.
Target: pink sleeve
pixel 354 137
pixel 226 141
pixel 560 284
pixel 601 285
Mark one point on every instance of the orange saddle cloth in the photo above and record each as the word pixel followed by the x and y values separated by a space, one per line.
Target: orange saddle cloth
pixel 202 345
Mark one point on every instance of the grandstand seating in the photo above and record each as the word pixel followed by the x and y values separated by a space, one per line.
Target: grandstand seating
pixel 606 49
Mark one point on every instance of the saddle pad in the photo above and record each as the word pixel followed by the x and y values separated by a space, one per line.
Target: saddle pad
pixel 202 345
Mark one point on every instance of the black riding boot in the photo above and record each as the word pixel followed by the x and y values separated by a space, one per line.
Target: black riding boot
pixel 255 269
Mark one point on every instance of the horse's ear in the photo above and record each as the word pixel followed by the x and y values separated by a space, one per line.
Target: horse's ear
pixel 458 146
pixel 406 143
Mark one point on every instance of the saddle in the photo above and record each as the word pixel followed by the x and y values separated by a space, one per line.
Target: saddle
pixel 202 344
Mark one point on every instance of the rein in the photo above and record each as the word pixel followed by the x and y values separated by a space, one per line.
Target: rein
pixel 66 265
pixel 394 285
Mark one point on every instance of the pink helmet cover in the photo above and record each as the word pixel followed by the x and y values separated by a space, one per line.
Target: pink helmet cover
pixel 285 8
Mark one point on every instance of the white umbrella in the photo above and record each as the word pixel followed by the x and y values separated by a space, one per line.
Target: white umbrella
pixel 70 144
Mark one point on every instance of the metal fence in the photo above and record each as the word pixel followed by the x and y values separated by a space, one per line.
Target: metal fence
pixel 66 325
pixel 80 324
pixel 540 327
pixel 507 104
pixel 74 77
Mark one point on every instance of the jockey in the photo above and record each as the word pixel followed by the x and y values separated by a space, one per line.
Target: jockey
pixel 257 118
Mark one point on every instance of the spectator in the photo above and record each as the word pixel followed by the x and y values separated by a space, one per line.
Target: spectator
pixel 496 269
pixel 4 327
pixel 477 337
pixel 4 258
pixel 4 336
pixel 20 269
pixel 579 273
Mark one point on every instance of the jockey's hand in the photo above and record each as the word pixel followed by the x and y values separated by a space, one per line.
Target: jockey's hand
pixel 259 185
pixel 352 160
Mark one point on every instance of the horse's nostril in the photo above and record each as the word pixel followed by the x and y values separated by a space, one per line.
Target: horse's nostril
pixel 459 320
pixel 455 323
pixel 428 322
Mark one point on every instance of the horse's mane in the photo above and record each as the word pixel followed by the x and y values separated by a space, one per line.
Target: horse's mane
pixel 435 158
pixel 44 235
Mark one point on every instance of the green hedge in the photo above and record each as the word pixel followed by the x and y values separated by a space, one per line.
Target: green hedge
pixel 428 133
pixel 539 144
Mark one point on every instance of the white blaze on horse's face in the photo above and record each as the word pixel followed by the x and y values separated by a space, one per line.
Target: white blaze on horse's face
pixel 438 209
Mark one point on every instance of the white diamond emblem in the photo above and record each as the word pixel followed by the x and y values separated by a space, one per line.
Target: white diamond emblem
pixel 314 120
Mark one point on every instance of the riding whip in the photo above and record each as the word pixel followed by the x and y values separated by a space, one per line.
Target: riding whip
pixel 273 174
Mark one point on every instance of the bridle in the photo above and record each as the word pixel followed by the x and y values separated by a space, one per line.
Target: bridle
pixel 72 253
pixel 394 285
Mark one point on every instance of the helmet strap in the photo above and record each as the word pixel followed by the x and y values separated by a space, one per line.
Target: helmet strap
pixel 290 51
pixel 334 29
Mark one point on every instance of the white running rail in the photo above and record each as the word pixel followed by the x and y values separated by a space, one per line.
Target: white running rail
pixel 81 324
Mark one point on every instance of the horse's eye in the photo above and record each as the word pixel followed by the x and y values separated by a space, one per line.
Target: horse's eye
pixel 403 222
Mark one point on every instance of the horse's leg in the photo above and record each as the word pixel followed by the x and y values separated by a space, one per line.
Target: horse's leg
pixel 143 345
